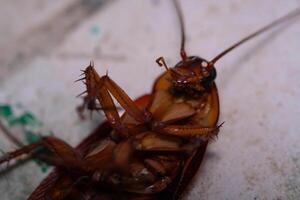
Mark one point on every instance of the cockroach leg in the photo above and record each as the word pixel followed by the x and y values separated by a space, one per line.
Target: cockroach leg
pixel 111 114
pixel 191 131
pixel 157 186
pixel 10 136
pixel 24 150
pixel 152 143
pixel 61 155
pixel 125 101
pixel 96 90
pixel 86 104
pixel 102 88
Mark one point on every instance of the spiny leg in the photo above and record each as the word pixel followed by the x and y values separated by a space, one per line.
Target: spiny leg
pixel 62 154
pixel 88 104
pixel 23 149
pixel 10 136
pixel 96 90
pixel 155 143
pixel 190 131
pixel 102 88
pixel 123 99
pixel 89 101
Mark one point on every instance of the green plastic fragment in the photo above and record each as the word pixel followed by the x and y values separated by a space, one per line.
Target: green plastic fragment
pixel 5 111
pixel 95 30
pixel 31 137
pixel 44 167
pixel 29 122
pixel 26 118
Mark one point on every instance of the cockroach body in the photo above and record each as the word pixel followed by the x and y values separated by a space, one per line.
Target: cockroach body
pixel 153 150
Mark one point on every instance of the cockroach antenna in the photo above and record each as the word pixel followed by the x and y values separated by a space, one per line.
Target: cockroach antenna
pixel 161 61
pixel 279 21
pixel 180 17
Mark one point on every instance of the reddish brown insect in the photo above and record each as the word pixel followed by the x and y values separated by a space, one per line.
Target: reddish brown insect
pixel 150 152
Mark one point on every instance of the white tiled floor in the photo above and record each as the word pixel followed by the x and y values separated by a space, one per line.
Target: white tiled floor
pixel 258 150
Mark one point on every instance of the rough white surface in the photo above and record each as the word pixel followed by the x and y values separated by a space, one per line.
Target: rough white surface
pixel 257 155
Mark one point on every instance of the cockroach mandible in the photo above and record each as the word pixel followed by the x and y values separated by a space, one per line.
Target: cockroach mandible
pixel 150 152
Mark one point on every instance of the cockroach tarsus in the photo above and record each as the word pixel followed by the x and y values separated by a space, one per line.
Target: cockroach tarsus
pixel 150 152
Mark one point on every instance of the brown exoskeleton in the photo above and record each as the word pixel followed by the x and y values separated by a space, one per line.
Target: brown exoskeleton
pixel 150 152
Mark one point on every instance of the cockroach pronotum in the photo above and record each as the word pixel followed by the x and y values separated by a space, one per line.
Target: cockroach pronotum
pixel 154 149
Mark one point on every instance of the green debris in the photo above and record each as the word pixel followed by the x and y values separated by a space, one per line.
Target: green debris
pixel 26 118
pixel 31 137
pixel 29 124
pixel 95 30
pixel 5 111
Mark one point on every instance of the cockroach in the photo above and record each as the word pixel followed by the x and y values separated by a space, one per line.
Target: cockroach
pixel 154 149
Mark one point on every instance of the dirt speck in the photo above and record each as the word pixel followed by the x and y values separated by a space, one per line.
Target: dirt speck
pixel 275 167
pixel 212 9
pixel 251 179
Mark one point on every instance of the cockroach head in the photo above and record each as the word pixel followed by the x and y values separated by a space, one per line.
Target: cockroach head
pixel 194 75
